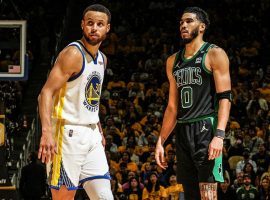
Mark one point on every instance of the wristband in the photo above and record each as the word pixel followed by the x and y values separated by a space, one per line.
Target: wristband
pixel 220 134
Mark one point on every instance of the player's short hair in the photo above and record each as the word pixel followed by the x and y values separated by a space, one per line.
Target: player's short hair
pixel 201 15
pixel 98 8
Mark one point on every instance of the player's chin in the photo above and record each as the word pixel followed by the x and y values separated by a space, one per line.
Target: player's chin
pixel 94 41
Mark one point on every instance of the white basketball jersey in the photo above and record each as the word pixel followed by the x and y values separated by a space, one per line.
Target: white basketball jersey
pixel 78 100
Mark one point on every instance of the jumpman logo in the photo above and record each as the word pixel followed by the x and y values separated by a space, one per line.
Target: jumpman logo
pixel 177 65
pixel 203 128
pixel 220 169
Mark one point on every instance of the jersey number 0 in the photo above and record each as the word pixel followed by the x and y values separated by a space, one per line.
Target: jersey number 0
pixel 186 97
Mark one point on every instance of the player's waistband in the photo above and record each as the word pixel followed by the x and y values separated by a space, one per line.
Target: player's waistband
pixel 200 118
pixel 93 126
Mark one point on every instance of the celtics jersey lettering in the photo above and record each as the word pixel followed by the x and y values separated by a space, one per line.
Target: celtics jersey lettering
pixel 195 84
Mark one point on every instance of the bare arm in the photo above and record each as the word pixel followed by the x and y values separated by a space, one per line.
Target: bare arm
pixel 169 119
pixel 68 63
pixel 220 65
pixel 218 61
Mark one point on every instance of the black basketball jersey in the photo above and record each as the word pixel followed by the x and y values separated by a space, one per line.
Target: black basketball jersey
pixel 195 84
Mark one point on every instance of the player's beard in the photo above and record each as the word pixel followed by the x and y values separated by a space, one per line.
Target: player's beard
pixel 193 35
pixel 93 42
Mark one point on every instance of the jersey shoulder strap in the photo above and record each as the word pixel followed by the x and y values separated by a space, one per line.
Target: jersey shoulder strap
pixel 205 48
pixel 104 58
pixel 176 58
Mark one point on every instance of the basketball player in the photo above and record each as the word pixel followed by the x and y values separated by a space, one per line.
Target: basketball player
pixel 69 105
pixel 198 107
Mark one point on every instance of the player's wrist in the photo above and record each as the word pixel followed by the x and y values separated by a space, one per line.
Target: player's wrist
pixel 46 131
pixel 220 134
pixel 162 140
pixel 219 137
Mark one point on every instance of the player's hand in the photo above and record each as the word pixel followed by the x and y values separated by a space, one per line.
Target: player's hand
pixel 159 155
pixel 47 148
pixel 215 148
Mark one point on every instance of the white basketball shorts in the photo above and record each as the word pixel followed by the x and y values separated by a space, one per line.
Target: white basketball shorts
pixel 80 156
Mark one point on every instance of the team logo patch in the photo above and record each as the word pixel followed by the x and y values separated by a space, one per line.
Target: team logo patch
pixel 198 60
pixel 92 92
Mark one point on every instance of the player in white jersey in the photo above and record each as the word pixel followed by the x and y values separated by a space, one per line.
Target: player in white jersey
pixel 72 138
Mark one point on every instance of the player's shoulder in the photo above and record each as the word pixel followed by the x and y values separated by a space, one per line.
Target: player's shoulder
pixel 71 50
pixel 215 50
pixel 171 58
pixel 70 54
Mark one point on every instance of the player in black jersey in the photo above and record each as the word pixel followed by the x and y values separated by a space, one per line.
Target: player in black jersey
pixel 198 107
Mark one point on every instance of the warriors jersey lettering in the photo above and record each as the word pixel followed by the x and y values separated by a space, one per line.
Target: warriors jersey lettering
pixel 195 84
pixel 78 100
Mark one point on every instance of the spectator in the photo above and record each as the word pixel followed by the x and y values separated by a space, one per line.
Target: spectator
pixel 110 145
pixel 126 185
pixel 134 191
pixel 167 173
pixel 237 148
pixel 153 189
pixel 174 190
pixel 248 169
pixel 264 189
pixel 116 85
pixel 225 192
pixel 256 140
pixel 113 166
pixel 145 172
pixel 240 165
pixel 262 159
pixel 247 191
pixel 116 188
pixel 256 104
pixel 238 182
pixel 33 179
pixel 131 166
pixel 133 156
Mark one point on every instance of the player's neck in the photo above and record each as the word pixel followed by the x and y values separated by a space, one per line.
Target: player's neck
pixel 92 50
pixel 193 47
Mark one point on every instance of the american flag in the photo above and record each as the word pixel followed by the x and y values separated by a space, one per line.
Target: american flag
pixel 14 69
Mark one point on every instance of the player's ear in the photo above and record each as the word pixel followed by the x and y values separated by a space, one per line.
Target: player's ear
pixel 82 23
pixel 202 27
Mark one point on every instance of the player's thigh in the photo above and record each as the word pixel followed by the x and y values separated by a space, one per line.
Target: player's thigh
pixel 186 170
pixel 95 164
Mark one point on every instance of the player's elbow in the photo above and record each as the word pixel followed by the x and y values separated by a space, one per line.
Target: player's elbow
pixel 44 94
pixel 171 110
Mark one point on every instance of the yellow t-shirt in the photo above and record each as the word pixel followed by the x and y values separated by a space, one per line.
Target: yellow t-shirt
pixel 154 195
pixel 133 197
pixel 173 191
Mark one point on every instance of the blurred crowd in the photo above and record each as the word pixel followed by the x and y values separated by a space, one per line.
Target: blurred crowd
pixel 135 95
pixel 133 102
